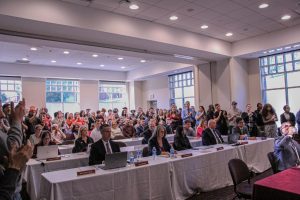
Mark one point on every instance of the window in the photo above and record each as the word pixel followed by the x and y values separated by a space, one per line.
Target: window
pixel 10 89
pixel 280 80
pixel 112 95
pixel 62 95
pixel 182 88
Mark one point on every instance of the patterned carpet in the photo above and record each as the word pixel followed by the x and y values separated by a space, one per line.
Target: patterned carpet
pixel 226 193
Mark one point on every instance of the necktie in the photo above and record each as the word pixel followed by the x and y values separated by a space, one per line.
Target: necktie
pixel 218 140
pixel 108 151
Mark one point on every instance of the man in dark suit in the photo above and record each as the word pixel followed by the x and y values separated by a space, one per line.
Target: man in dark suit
pixel 103 146
pixel 211 135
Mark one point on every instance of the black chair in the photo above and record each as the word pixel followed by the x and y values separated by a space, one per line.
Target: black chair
pixel 145 152
pixel 240 175
pixel 273 162
pixel 121 144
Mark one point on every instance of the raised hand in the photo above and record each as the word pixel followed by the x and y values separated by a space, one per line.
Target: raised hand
pixel 18 158
pixel 18 112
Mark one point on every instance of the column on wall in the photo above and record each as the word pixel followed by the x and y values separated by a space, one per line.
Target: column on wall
pixel 89 91
pixel 34 91
pixel 196 86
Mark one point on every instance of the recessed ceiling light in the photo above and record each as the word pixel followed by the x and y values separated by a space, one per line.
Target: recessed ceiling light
pixel 263 5
pixel 265 52
pixel 204 26
pixel 143 61
pixel 279 49
pixel 286 17
pixel 120 58
pixel 123 67
pixel 173 17
pixel 53 61
pixel 101 65
pixel 229 34
pixel 66 52
pixel 25 59
pixel 79 63
pixel 95 55
pixel 272 50
pixel 288 47
pixel 134 6
pixel 33 49
pixel 297 45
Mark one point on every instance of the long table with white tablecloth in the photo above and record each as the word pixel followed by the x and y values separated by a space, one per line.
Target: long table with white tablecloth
pixel 34 169
pixel 163 178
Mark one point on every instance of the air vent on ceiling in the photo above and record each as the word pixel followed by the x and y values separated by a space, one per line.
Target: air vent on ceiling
pixel 23 61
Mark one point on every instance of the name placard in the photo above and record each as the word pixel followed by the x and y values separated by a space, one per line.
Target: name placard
pixel 220 148
pixel 245 142
pixel 141 163
pixel 86 172
pixel 251 138
pixel 53 159
pixel 186 155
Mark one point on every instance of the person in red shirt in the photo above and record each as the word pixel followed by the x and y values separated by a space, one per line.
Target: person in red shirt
pixel 201 127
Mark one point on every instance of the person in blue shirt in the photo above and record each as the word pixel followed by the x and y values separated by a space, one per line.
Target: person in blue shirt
pixel 188 113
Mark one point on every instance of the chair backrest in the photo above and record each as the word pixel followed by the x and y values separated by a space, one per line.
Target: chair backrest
pixel 239 171
pixel 145 152
pixel 121 144
pixel 119 137
pixel 273 162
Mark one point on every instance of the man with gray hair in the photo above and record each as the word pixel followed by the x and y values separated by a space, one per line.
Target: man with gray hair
pixel 211 135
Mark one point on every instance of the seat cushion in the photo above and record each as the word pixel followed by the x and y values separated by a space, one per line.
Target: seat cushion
pixel 245 190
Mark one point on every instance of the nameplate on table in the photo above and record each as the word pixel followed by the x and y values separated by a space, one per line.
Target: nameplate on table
pixel 244 142
pixel 220 148
pixel 141 163
pixel 53 159
pixel 86 172
pixel 186 155
pixel 251 138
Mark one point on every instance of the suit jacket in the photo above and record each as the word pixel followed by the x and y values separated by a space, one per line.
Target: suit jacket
pixel 292 119
pixel 80 145
pixel 181 142
pixel 208 137
pixel 97 154
pixel 237 130
pixel 286 156
pixel 153 143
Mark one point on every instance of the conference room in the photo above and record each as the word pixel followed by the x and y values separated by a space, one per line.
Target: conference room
pixel 149 99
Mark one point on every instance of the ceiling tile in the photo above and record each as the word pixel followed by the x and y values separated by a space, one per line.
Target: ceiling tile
pixel 190 9
pixel 171 4
pixel 227 7
pixel 155 12
pixel 105 4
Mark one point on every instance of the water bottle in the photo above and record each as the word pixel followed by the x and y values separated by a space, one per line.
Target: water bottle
pixel 131 158
pixel 172 152
pixel 138 154
pixel 154 153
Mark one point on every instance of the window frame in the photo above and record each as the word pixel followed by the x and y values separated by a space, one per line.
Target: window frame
pixel 188 77
pixel 14 79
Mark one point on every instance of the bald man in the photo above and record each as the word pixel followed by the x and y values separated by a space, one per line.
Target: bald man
pixel 211 135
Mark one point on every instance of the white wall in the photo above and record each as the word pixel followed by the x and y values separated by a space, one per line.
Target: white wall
pixel 34 91
pixel 254 82
pixel 205 85
pixel 239 81
pixel 159 89
pixel 89 95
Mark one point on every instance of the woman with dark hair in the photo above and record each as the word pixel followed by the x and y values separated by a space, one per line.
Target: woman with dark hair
pixel 287 116
pixel 175 118
pixel 210 112
pixel 161 115
pixel 82 141
pixel 159 141
pixel 269 117
pixel 181 141
pixel 200 115
pixel 46 140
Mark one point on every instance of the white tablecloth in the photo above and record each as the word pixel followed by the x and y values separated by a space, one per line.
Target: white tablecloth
pixel 65 149
pixel 146 182
pixel 35 168
pixel 163 178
